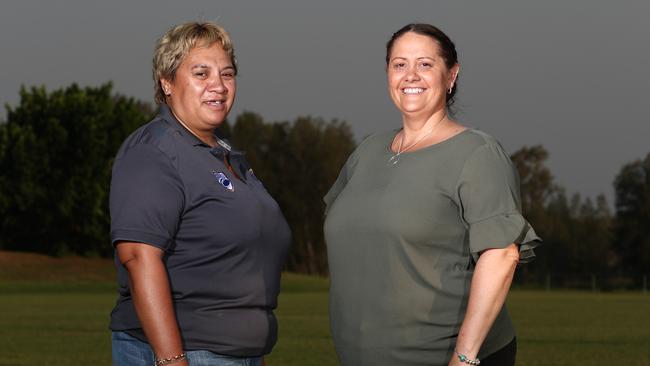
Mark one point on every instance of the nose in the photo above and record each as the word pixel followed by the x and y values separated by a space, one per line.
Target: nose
pixel 217 85
pixel 412 74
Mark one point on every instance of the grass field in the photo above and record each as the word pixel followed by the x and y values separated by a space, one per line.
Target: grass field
pixel 55 312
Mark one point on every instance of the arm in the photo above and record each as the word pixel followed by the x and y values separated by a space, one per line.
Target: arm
pixel 152 297
pixel 490 284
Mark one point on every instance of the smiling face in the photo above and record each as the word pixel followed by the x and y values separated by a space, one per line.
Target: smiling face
pixel 203 89
pixel 418 78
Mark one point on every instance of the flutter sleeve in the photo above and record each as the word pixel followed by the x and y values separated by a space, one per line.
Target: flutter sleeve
pixel 488 191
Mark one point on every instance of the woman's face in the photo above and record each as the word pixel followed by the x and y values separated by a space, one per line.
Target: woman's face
pixel 418 78
pixel 203 91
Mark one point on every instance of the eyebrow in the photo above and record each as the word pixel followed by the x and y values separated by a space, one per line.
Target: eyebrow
pixel 419 58
pixel 204 66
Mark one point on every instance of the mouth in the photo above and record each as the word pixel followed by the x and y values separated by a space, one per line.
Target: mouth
pixel 413 91
pixel 216 103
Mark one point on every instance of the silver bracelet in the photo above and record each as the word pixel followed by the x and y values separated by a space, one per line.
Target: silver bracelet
pixel 173 359
pixel 464 359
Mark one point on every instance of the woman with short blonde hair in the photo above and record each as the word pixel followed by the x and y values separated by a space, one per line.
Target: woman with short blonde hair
pixel 199 242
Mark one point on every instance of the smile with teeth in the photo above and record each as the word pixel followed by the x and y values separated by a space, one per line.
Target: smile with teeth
pixel 413 90
pixel 214 102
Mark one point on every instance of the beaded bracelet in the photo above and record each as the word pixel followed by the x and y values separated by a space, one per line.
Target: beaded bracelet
pixel 167 361
pixel 467 360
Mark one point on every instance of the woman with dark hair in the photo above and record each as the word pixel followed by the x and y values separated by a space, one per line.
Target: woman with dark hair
pixel 423 228
pixel 199 242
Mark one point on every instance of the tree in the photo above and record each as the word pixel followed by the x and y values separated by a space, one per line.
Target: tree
pixel 297 162
pixel 577 233
pixel 632 232
pixel 536 179
pixel 57 151
pixel 591 236
pixel 539 197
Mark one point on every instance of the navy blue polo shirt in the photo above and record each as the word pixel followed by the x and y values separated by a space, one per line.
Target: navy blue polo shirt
pixel 225 239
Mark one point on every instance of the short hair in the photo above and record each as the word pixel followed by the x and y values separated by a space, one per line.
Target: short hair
pixel 447 48
pixel 177 42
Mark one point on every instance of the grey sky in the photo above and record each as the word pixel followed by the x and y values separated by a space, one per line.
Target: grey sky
pixel 571 75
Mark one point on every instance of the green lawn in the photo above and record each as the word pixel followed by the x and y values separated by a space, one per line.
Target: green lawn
pixel 581 328
pixel 59 319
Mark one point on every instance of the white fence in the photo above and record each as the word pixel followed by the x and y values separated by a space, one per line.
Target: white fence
pixel 583 281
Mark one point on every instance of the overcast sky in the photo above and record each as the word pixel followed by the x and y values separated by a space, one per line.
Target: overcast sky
pixel 570 75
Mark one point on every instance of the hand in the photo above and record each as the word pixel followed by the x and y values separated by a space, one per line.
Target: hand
pixel 184 362
pixel 455 361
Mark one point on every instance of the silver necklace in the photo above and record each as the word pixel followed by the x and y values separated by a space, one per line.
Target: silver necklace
pixel 395 158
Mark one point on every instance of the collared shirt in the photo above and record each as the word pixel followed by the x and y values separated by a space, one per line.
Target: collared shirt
pixel 224 237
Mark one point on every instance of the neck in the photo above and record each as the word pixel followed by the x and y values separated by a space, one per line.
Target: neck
pixel 207 137
pixel 416 125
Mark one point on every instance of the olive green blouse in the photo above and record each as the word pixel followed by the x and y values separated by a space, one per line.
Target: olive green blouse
pixel 402 242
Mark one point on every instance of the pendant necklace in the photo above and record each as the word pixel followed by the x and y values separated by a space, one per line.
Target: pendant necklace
pixel 393 160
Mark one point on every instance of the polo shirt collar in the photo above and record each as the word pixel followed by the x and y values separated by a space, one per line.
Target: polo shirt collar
pixel 165 112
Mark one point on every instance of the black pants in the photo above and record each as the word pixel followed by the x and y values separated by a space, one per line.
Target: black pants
pixel 503 357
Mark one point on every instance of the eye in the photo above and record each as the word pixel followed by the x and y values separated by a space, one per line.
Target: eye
pixel 399 65
pixel 425 65
pixel 201 74
pixel 228 75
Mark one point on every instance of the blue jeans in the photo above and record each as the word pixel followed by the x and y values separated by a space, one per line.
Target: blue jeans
pixel 130 351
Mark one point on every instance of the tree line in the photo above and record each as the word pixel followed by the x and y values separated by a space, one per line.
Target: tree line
pixel 57 149
pixel 581 235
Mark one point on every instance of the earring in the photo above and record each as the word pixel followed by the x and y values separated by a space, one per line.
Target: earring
pixel 450 89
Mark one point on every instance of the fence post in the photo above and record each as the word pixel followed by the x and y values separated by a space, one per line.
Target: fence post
pixel 645 284
pixel 548 282
pixel 593 282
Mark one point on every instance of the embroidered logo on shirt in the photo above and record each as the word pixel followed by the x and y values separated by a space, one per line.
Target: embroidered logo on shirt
pixel 223 180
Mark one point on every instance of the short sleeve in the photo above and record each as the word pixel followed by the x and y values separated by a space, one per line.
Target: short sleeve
pixel 340 182
pixel 488 191
pixel 146 197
